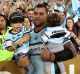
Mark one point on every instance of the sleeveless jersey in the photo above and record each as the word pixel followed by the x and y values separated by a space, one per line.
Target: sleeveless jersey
pixel 36 47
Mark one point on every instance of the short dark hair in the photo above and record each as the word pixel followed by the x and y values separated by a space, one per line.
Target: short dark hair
pixel 23 11
pixel 30 9
pixel 41 6
pixel 6 19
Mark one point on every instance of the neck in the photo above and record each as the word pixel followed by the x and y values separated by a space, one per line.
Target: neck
pixel 3 31
pixel 70 28
pixel 39 28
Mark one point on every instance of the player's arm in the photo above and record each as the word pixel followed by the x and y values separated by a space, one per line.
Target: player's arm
pixel 11 48
pixel 69 52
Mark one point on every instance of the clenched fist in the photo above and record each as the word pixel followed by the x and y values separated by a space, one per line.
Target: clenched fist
pixel 47 56
pixel 23 61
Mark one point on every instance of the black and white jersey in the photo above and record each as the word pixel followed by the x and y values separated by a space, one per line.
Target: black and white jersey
pixel 56 37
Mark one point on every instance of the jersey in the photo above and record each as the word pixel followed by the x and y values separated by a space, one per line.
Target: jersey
pixel 24 48
pixel 2 38
pixel 36 47
pixel 55 38
pixel 5 55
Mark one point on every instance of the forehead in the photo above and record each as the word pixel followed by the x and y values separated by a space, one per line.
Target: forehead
pixel 30 11
pixel 40 10
pixel 1 17
pixel 70 20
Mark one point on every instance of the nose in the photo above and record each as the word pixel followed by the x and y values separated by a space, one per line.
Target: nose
pixel 0 22
pixel 19 23
pixel 37 16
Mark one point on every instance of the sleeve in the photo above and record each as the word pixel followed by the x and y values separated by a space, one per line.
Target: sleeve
pixel 44 38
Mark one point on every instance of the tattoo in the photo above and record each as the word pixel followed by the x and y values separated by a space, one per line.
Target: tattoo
pixel 70 46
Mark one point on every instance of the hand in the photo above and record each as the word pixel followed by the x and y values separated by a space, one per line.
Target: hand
pixel 45 55
pixel 73 35
pixel 23 61
pixel 19 42
pixel 11 48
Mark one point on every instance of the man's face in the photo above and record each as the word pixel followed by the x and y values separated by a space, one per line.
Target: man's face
pixel 2 23
pixel 40 16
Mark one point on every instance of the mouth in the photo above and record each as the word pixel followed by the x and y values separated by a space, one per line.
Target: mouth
pixel 37 21
pixel 18 28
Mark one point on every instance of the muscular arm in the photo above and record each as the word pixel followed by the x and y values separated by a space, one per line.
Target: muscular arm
pixel 68 53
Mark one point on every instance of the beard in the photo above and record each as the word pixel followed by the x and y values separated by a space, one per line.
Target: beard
pixel 39 24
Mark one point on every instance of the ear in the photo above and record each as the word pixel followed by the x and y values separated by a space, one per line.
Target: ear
pixel 11 24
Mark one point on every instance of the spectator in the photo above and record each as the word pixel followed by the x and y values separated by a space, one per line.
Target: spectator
pixel 20 10
pixel 1 8
pixel 11 10
pixel 4 29
pixel 19 40
pixel 70 24
pixel 30 14
pixel 75 34
pixel 27 24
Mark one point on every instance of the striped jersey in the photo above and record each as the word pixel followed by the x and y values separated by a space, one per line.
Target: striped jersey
pixel 24 48
pixel 36 47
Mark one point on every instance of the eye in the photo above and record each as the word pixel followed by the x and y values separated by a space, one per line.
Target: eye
pixel 41 13
pixel 35 13
pixel 2 20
